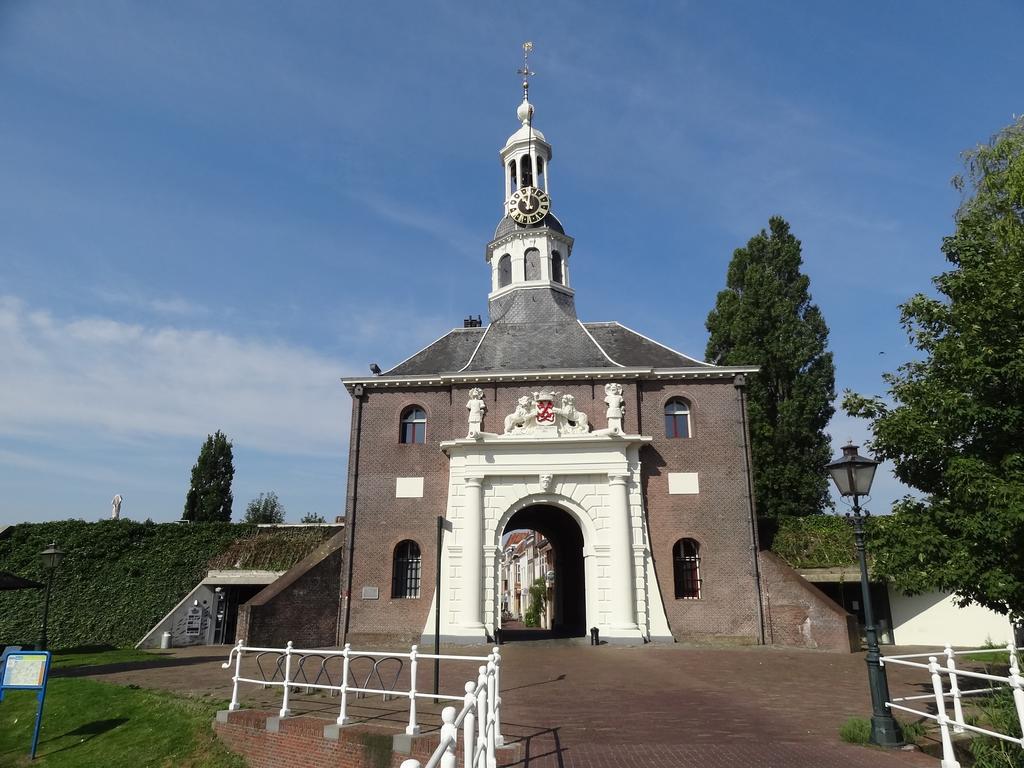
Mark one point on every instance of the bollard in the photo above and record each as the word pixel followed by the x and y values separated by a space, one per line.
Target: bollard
pixel 165 641
pixel 497 636
pixel 595 636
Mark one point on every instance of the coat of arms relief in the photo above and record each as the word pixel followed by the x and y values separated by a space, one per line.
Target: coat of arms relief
pixel 544 414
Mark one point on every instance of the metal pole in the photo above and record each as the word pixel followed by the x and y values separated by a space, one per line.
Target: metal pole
pixel 46 610
pixel 885 731
pixel 437 607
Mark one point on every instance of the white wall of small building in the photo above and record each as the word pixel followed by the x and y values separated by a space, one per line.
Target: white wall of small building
pixel 933 618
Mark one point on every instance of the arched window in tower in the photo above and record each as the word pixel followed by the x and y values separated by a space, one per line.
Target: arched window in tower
pixel 532 264
pixel 540 174
pixel 556 268
pixel 686 569
pixel 504 271
pixel 512 176
pixel 526 171
pixel 677 418
pixel 406 576
pixel 414 425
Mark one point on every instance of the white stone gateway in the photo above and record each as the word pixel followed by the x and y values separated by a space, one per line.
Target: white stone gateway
pixel 547 458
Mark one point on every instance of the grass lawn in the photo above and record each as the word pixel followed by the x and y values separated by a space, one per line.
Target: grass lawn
pixel 89 724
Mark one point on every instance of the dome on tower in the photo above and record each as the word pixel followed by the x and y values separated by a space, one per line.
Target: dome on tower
pixel 508 224
pixel 525 134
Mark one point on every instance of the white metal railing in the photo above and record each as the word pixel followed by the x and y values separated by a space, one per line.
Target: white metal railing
pixel 480 727
pixel 291 662
pixel 939 694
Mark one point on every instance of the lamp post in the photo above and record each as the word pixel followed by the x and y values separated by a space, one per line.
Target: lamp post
pixel 51 557
pixel 852 474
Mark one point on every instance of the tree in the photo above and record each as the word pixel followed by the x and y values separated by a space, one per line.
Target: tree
pixel 266 509
pixel 209 495
pixel 765 317
pixel 312 517
pixel 954 422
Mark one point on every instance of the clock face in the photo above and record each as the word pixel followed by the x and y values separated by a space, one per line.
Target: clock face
pixel 529 205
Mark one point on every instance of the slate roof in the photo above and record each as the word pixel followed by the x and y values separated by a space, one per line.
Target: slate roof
pixel 564 345
pixel 508 224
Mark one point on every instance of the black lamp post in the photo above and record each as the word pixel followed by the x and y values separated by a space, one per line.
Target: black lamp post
pixel 51 557
pixel 852 475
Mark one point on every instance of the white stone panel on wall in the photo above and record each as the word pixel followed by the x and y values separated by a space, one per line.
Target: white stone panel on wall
pixel 408 487
pixel 680 483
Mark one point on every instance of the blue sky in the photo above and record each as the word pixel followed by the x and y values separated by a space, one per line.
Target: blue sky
pixel 210 212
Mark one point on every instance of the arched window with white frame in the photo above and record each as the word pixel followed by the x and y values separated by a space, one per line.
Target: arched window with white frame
pixel 532 264
pixel 557 273
pixel 413 427
pixel 677 418
pixel 504 271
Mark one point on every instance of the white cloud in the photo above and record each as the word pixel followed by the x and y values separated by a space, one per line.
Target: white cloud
pixel 136 380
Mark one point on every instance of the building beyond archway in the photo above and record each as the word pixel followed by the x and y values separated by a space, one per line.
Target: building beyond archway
pixel 562 569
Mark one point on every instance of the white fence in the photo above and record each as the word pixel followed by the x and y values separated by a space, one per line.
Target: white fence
pixel 939 695
pixel 480 716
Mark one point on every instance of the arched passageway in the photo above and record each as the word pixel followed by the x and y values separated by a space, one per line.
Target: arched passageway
pixel 567 592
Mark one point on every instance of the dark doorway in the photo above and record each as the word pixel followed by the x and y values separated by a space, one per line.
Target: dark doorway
pixel 229 598
pixel 560 549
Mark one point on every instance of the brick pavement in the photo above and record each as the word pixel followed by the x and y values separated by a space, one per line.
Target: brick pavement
pixel 576 706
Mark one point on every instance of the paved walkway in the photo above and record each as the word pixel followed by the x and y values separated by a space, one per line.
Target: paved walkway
pixel 608 706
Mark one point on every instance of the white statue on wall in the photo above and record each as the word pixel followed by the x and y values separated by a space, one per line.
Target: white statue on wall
pixel 477 408
pixel 522 413
pixel 574 421
pixel 616 408
pixel 115 507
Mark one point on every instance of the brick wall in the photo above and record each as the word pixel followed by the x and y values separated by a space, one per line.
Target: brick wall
pixel 302 605
pixel 799 614
pixel 300 742
pixel 718 517
pixel 382 521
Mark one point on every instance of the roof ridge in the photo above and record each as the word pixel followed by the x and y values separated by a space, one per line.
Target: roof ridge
pixel 664 346
pixel 476 348
pixel 598 345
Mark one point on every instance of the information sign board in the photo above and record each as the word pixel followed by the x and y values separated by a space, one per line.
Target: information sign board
pixel 194 621
pixel 26 671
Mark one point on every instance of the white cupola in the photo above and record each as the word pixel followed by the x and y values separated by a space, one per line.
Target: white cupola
pixel 530 249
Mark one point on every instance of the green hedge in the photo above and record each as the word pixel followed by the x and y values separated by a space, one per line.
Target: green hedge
pixel 120 577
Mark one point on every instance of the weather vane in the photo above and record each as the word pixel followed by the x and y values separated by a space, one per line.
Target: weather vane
pixel 524 71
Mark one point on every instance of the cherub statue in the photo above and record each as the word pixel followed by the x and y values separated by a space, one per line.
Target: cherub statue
pixel 522 413
pixel 578 419
pixel 616 409
pixel 477 408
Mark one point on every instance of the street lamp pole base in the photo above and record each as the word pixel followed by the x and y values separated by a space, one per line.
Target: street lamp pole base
pixel 886 732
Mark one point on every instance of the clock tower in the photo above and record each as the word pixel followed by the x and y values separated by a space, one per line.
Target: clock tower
pixel 529 255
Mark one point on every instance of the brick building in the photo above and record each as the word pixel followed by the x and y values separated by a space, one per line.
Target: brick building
pixel 629 457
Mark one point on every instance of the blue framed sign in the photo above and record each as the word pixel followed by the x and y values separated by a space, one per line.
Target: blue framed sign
pixel 26 671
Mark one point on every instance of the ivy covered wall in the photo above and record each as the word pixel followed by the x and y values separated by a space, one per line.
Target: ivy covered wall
pixel 816 541
pixel 120 577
